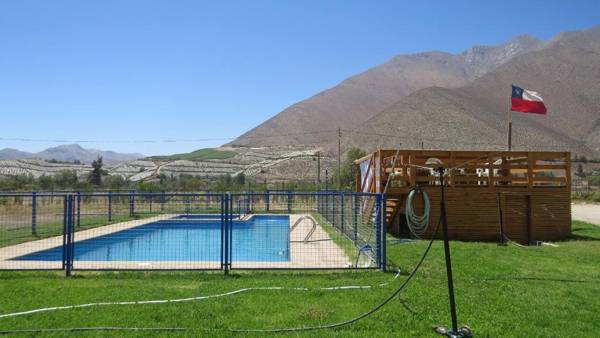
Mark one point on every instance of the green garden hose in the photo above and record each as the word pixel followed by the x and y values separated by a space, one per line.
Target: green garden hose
pixel 417 224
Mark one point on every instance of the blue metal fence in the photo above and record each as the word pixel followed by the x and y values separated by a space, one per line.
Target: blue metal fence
pixel 192 231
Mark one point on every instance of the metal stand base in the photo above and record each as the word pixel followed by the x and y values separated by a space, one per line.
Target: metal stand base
pixel 464 331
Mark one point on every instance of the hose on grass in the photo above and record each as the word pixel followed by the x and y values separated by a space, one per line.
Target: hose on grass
pixel 189 299
pixel 93 328
pixel 359 317
pixel 347 287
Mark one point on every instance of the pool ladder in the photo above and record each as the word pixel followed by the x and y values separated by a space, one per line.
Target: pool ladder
pixel 312 230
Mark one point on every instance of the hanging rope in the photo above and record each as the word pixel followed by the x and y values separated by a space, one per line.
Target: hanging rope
pixel 417 224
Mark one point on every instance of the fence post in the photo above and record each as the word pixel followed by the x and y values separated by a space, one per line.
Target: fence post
pixel 131 203
pixel 34 213
pixel 383 237
pixel 327 207
pixel 342 211
pixel 64 244
pixel 78 209
pixel 318 199
pixel 289 202
pixel 69 244
pixel 378 229
pixel 223 212
pixel 267 197
pixel 228 216
pixel 230 237
pixel 355 217
pixel 333 208
pixel 110 206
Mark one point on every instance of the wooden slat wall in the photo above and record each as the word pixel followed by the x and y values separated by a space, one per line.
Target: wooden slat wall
pixel 536 207
pixel 473 213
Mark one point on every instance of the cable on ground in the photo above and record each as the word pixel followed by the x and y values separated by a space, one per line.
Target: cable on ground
pixel 357 318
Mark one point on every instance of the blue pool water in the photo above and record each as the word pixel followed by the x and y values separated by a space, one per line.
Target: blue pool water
pixel 262 238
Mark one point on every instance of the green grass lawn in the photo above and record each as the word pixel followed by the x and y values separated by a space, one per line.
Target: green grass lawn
pixel 501 292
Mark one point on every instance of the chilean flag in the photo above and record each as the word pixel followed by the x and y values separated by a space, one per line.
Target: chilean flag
pixel 527 101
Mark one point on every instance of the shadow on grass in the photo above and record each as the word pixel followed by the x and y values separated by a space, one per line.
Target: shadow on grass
pixel 577 237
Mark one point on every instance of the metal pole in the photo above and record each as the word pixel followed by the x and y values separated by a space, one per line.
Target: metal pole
pixel 333 208
pixel 501 216
pixel 342 211
pixel 64 246
pixel 383 239
pixel 267 200
pixel 355 217
pixel 447 253
pixel 110 206
pixel 318 170
pixel 339 173
pixel 78 209
pixel 509 135
pixel 69 238
pixel 378 230
pixel 131 203
pixel 226 233
pixel 34 213
pixel 230 236
pixel 223 212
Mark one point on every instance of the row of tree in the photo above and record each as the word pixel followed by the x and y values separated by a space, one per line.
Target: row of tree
pixel 98 179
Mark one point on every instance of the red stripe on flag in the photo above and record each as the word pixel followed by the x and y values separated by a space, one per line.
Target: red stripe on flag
pixel 534 107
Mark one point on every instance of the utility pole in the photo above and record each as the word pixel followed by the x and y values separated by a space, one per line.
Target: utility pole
pixel 318 169
pixel 339 181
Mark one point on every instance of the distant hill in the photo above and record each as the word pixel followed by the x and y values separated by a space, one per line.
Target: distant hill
pixel 13 154
pixel 361 97
pixel 197 155
pixel 69 153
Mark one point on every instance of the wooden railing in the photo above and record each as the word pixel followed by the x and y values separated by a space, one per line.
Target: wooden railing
pixel 466 168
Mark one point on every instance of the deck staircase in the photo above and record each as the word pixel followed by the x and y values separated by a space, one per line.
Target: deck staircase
pixel 392 207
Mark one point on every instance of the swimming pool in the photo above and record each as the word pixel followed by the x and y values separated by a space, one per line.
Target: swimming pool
pixel 184 238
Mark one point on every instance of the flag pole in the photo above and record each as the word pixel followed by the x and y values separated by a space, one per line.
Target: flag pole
pixel 509 135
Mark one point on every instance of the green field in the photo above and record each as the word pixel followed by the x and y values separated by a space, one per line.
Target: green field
pixel 198 155
pixel 501 292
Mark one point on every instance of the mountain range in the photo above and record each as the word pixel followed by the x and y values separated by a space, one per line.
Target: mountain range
pixel 69 153
pixel 439 100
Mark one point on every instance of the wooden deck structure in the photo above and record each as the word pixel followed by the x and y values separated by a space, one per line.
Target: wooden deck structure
pixel 533 190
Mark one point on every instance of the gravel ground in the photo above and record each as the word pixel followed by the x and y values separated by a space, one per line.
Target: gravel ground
pixel 586 212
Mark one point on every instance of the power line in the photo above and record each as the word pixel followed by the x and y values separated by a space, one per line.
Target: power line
pixel 335 133
pixel 20 139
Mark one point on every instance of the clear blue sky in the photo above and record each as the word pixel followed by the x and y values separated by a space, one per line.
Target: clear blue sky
pixel 137 70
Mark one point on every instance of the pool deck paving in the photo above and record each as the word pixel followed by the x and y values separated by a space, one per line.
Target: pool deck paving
pixel 320 251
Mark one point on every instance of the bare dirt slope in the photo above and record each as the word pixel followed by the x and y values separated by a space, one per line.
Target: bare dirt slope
pixel 474 116
pixel 360 97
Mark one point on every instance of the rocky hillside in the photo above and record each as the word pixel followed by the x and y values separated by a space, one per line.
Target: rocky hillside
pixel 566 72
pixel 360 97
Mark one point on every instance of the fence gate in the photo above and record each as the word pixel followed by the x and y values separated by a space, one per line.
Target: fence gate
pixel 191 231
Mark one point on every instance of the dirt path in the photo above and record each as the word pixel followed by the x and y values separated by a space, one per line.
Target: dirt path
pixel 586 212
